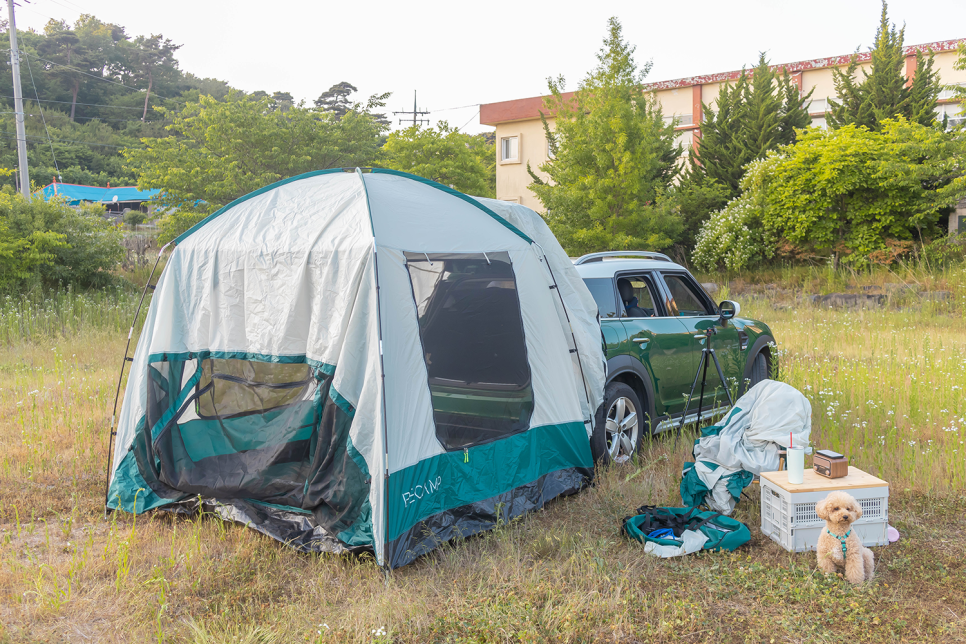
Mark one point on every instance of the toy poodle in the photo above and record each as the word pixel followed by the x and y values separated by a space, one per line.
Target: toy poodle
pixel 838 545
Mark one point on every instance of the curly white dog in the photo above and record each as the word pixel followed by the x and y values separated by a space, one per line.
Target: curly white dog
pixel 838 545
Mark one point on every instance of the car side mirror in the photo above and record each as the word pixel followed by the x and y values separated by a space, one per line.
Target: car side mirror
pixel 728 309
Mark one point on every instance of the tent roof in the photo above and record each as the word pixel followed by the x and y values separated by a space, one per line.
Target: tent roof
pixel 459 195
pixel 75 193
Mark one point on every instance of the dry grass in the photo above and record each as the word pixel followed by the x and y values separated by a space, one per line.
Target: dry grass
pixel 561 575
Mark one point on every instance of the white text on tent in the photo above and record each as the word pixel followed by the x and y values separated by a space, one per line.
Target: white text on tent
pixel 420 491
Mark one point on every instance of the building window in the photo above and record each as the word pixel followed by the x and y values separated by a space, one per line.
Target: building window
pixel 679 119
pixel 818 105
pixel 952 111
pixel 510 148
pixel 819 121
pixel 949 92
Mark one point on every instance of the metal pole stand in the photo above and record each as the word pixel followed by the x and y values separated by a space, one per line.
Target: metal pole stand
pixel 702 371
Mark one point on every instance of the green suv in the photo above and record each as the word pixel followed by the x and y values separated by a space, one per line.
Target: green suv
pixel 655 319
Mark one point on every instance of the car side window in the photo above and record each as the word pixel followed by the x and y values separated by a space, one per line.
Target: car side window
pixel 602 288
pixel 640 304
pixel 686 298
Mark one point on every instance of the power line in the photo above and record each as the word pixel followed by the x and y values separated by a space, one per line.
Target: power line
pixel 100 78
pixel 117 107
pixel 461 107
pixel 468 122
pixel 66 7
pixel 103 145
pixel 42 118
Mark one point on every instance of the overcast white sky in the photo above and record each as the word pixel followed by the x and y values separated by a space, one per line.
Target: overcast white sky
pixel 460 54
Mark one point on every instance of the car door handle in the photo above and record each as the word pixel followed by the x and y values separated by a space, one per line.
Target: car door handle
pixel 641 340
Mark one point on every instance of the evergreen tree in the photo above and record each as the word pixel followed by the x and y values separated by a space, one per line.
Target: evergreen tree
pixel 613 155
pixel 884 92
pixel 759 112
pixel 336 99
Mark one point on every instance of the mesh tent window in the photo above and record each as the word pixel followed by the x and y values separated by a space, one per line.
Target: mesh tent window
pixel 473 345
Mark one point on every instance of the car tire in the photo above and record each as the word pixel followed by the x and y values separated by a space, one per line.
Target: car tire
pixel 623 421
pixel 759 369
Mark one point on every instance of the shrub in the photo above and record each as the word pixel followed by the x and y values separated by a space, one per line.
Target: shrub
pixel 736 237
pixel 49 242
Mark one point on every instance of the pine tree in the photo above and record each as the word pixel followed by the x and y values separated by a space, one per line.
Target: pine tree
pixel 759 112
pixel 336 99
pixel 614 155
pixel 884 92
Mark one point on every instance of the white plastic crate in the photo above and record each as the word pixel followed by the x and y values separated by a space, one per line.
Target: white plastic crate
pixel 789 517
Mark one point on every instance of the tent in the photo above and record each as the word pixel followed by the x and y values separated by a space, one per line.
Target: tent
pixel 350 359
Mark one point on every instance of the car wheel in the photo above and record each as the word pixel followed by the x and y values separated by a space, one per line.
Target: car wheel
pixel 619 436
pixel 759 368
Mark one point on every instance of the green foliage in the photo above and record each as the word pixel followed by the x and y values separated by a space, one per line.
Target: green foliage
pixel 736 237
pixel 218 151
pixel 135 217
pixel 693 202
pixel 613 155
pixel 758 113
pixel 882 93
pixel 461 161
pixel 51 243
pixel 960 90
pixel 844 193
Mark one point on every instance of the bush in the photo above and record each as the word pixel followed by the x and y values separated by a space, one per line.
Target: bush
pixel 848 194
pixel 736 236
pixel 49 242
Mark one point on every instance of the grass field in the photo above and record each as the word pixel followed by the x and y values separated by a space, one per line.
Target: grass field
pixel 886 387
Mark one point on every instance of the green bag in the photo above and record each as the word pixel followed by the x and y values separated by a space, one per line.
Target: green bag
pixel 724 533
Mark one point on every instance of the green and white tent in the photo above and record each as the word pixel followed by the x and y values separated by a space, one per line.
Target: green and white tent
pixel 349 360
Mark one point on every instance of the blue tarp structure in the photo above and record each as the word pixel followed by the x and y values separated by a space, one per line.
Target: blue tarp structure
pixel 75 194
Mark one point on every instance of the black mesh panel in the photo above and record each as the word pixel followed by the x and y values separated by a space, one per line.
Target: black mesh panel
pixel 473 344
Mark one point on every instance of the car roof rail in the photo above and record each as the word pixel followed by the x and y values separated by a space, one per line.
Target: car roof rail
pixel 599 257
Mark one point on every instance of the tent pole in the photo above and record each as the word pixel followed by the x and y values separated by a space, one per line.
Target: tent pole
pixel 580 366
pixel 382 370
pixel 120 376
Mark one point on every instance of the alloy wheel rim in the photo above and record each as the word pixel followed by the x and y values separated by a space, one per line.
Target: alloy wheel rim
pixel 622 429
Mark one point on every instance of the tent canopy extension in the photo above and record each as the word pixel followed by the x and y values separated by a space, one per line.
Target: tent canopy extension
pixel 362 360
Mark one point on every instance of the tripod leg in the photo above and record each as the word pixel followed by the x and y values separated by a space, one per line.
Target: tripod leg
pixel 694 385
pixel 704 379
pixel 721 375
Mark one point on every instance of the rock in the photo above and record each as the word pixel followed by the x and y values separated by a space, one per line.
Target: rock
pixel 849 300
pixel 893 287
pixel 710 287
pixel 936 296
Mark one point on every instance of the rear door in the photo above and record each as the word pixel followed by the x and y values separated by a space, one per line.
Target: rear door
pixel 692 307
pixel 662 344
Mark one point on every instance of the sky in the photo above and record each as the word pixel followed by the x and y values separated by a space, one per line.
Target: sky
pixel 456 55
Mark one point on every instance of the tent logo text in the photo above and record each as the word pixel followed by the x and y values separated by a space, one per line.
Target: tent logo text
pixel 420 491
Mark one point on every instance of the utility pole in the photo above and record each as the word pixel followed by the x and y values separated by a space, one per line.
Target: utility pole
pixel 414 113
pixel 18 105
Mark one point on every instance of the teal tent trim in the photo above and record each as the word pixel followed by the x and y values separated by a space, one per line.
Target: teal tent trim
pixel 459 195
pixel 130 492
pixel 183 356
pixel 454 479
pixel 342 403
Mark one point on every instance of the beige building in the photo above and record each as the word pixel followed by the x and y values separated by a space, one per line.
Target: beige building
pixel 520 137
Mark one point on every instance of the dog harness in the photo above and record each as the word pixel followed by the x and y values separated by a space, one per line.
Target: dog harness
pixel 841 539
